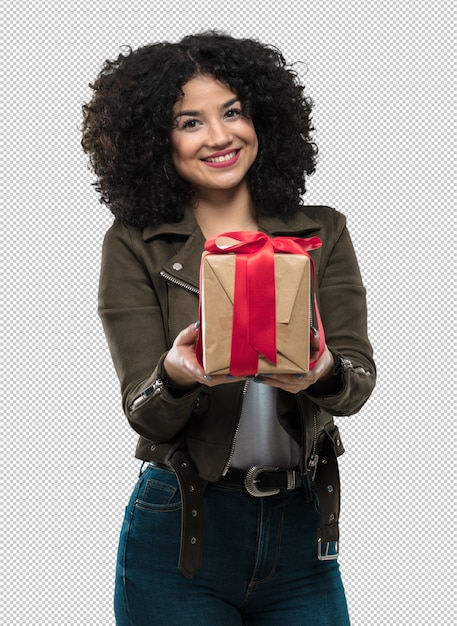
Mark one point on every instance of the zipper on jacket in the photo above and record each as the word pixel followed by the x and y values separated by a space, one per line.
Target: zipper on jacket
pixel 232 450
pixel 312 297
pixel 153 390
pixel 346 365
pixel 314 458
pixel 158 384
pixel 178 282
pixel 312 463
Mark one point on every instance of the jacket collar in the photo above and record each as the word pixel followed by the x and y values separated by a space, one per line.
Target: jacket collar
pixel 184 266
pixel 275 225
pixel 300 224
pixel 187 226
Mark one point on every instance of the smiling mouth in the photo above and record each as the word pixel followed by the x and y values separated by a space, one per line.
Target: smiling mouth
pixel 222 158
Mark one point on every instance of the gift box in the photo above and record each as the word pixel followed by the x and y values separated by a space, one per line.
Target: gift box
pixel 255 303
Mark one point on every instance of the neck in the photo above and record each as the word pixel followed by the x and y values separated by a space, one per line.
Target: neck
pixel 224 212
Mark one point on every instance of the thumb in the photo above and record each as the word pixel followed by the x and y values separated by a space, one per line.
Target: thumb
pixel 188 336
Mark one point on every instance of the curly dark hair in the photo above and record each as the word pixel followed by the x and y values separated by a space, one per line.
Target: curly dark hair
pixel 127 123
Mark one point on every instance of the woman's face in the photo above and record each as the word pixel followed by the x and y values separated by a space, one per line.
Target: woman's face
pixel 212 145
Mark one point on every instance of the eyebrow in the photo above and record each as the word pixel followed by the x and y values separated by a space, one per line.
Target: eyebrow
pixel 196 113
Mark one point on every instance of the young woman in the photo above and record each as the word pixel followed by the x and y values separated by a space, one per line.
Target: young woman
pixel 234 520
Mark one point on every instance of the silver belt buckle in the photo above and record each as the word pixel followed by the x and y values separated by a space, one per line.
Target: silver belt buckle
pixel 326 556
pixel 251 479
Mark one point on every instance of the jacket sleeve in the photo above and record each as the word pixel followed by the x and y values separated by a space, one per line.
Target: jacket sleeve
pixel 342 304
pixel 136 332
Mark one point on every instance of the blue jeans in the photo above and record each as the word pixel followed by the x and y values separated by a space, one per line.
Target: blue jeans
pixel 259 565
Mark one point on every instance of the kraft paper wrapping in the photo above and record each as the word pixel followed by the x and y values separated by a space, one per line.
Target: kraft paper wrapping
pixel 292 280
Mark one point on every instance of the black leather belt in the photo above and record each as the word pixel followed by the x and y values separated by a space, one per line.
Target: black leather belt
pixel 260 481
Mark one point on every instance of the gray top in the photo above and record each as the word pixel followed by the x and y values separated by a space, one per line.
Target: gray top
pixel 261 440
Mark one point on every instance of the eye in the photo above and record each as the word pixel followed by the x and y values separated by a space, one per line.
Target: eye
pixel 233 113
pixel 189 124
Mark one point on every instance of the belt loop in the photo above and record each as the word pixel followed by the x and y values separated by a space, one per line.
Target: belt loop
pixel 141 468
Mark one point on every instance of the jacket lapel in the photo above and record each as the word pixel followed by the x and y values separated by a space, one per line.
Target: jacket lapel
pixel 184 266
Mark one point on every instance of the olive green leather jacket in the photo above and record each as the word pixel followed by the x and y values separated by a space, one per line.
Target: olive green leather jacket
pixel 149 292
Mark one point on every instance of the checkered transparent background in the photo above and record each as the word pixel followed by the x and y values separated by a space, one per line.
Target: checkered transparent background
pixel 380 75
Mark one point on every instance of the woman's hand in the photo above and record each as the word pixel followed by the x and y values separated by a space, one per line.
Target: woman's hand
pixel 321 375
pixel 181 365
pixel 182 368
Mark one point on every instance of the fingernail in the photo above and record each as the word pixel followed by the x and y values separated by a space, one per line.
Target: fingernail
pixel 197 324
pixel 258 379
pixel 207 377
pixel 298 375
pixel 230 376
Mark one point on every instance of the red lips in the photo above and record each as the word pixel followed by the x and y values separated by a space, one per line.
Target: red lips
pixel 223 160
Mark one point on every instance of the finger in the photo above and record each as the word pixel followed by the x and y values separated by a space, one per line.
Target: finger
pixel 292 383
pixel 286 386
pixel 221 379
pixel 188 336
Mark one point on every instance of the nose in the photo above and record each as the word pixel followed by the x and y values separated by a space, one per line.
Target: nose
pixel 219 135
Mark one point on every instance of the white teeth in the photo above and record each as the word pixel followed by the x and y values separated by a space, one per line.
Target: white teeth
pixel 221 159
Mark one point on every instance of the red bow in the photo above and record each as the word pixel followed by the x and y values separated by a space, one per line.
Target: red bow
pixel 254 311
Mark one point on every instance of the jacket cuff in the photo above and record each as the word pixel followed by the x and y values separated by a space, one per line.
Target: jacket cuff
pixel 357 384
pixel 169 385
pixel 158 384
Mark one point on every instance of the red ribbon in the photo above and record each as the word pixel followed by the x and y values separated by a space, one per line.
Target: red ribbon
pixel 254 311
